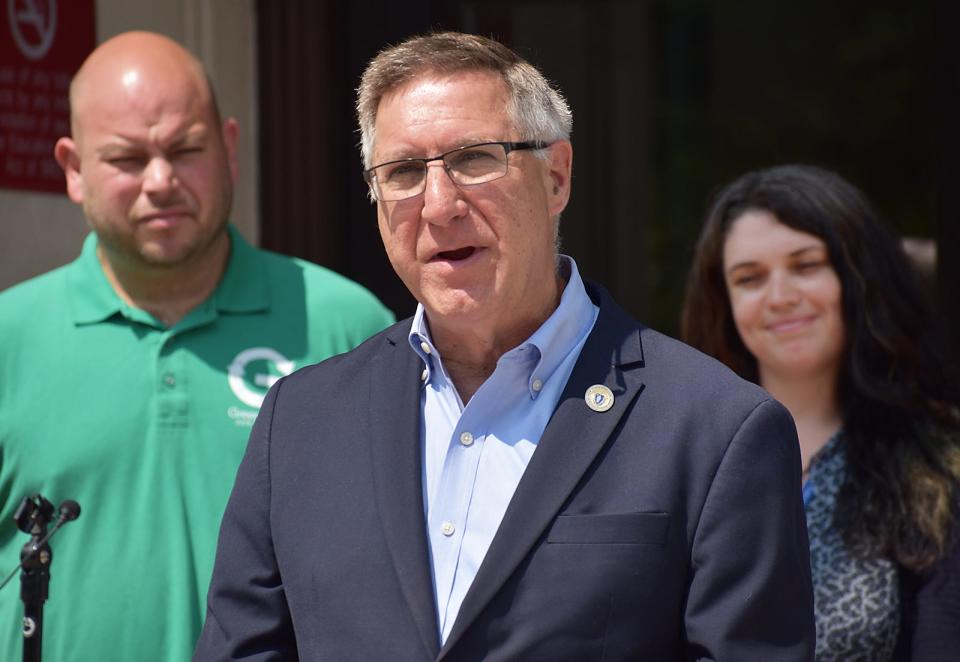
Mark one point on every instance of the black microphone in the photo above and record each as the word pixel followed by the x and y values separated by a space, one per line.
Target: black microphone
pixel 69 510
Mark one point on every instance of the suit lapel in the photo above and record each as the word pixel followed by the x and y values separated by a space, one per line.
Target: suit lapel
pixel 570 443
pixel 394 430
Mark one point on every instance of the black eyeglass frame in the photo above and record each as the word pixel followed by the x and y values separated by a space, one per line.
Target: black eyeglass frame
pixel 508 146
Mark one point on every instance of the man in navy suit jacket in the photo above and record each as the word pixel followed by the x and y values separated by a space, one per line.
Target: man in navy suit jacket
pixel 521 471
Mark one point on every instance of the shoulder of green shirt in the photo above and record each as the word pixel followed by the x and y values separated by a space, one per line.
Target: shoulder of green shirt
pixel 329 291
pixel 21 299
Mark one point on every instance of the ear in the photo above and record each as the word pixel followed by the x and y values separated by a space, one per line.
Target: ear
pixel 231 136
pixel 66 154
pixel 558 173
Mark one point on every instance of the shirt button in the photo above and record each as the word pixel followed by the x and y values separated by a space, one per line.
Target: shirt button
pixel 447 528
pixel 425 346
pixel 423 375
pixel 466 438
pixel 169 380
pixel 536 385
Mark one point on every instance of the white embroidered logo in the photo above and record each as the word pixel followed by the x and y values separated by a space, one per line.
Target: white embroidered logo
pixel 252 388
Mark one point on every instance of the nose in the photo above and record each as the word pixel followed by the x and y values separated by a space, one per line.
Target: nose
pixel 158 177
pixel 442 199
pixel 783 291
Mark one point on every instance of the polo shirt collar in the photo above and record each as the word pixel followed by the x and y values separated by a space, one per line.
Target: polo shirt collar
pixel 242 289
pixel 90 294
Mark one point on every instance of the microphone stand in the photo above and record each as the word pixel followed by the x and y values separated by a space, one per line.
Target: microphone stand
pixel 34 588
pixel 32 516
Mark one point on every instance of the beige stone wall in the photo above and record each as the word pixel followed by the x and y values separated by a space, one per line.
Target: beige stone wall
pixel 40 231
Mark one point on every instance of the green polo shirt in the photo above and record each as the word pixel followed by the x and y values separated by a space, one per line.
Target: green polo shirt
pixel 145 426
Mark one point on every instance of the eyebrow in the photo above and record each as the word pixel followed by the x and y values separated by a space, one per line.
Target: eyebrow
pixel 116 146
pixel 191 135
pixel 403 153
pixel 796 253
pixel 122 144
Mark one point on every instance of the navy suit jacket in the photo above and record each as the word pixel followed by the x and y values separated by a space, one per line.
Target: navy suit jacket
pixel 670 527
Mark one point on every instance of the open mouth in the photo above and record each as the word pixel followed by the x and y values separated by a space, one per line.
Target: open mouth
pixel 456 255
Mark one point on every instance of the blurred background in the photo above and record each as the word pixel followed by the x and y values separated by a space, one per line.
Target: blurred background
pixel 671 100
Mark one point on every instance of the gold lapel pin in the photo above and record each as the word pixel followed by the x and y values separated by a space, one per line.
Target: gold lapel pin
pixel 598 397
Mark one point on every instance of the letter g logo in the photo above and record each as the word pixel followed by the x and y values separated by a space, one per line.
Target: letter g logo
pixel 252 388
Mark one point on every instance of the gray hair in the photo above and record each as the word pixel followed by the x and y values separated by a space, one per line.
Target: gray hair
pixel 537 110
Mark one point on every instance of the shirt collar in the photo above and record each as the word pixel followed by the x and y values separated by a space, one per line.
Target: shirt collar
pixel 422 343
pixel 570 322
pixel 243 287
pixel 553 340
pixel 92 298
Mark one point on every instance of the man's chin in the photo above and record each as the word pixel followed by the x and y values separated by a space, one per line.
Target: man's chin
pixel 172 251
pixel 166 254
pixel 456 307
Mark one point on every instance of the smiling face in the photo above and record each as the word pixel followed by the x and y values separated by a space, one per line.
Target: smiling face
pixel 785 297
pixel 149 160
pixel 481 258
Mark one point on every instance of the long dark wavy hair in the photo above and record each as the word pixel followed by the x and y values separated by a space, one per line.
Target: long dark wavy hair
pixel 899 401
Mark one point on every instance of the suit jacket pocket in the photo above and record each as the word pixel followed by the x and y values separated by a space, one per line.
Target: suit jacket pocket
pixel 610 529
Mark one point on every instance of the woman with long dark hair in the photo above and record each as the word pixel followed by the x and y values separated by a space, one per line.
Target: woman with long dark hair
pixel 797 286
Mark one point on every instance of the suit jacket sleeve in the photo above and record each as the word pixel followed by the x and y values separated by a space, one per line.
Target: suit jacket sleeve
pixel 750 594
pixel 247 615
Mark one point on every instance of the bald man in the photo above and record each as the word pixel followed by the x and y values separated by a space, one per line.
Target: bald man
pixel 129 379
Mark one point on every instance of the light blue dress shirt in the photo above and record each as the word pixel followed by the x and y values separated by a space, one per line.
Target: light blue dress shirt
pixel 474 456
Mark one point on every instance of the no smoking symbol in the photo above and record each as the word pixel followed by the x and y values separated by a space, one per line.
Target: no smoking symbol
pixel 33 24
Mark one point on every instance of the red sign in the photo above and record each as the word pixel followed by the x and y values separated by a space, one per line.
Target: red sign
pixel 42 44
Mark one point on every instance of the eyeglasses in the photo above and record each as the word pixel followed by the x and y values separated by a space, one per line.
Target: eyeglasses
pixel 466 166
